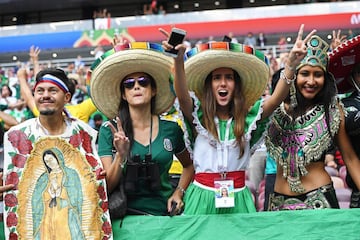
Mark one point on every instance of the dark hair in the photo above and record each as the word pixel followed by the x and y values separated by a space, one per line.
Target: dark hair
pixel 59 73
pixel 124 113
pixel 97 117
pixel 324 97
pixel 49 152
pixel 9 89
pixel 236 109
pixel 355 70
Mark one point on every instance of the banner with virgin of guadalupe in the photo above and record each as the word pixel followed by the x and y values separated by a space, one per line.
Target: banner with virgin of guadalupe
pixel 59 192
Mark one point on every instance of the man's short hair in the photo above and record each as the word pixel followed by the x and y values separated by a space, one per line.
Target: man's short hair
pixel 98 117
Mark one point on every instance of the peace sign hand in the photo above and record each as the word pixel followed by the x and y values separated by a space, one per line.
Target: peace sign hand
pixel 299 50
pixel 337 39
pixel 121 141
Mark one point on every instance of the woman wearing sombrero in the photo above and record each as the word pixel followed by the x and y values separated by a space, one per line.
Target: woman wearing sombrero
pixel 228 116
pixel 344 64
pixel 133 86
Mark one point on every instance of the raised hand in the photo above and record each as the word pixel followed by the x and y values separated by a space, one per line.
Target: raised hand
pixel 22 74
pixel 34 53
pixel 121 141
pixel 299 50
pixel 165 44
pixel 337 39
pixel 118 41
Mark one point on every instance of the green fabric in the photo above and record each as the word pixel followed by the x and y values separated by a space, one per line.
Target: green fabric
pixel 202 201
pixel 307 224
pixel 251 121
pixel 168 142
pixel 222 127
pixel 323 224
pixel 105 145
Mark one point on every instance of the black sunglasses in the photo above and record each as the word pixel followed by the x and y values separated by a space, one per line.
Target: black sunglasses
pixel 130 82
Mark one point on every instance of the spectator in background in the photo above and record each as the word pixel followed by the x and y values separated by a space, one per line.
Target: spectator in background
pixel 274 65
pixel 96 120
pixel 233 38
pixel 3 78
pixel 102 19
pixel 147 9
pixel 80 89
pixel 350 34
pixel 7 100
pixel 79 63
pixel 250 40
pixel 98 51
pixel 350 72
pixel 261 40
pixel 162 10
pixel 283 58
pixel 282 44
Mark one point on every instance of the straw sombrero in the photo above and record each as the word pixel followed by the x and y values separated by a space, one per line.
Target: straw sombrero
pixel 108 71
pixel 252 66
pixel 342 60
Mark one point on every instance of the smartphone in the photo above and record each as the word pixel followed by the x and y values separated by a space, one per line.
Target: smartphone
pixel 177 36
pixel 173 208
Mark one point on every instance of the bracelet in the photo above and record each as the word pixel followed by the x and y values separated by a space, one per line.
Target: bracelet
pixel 123 163
pixel 288 81
pixel 181 190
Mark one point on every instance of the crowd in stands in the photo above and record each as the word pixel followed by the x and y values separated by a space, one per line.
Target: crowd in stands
pixel 12 103
pixel 153 8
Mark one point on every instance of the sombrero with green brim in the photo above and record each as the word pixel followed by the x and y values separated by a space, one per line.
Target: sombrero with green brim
pixel 341 62
pixel 109 70
pixel 252 66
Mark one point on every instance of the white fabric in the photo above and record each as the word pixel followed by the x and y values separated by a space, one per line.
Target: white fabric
pixel 205 156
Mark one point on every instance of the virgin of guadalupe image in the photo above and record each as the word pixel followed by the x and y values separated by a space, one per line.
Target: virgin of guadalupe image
pixel 58 197
pixel 57 188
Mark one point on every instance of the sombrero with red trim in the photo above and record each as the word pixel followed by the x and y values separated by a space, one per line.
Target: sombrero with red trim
pixel 252 66
pixel 341 62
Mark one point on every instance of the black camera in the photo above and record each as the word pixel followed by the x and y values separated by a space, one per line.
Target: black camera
pixel 142 172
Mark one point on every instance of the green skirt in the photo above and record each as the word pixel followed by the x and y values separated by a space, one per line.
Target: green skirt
pixel 200 201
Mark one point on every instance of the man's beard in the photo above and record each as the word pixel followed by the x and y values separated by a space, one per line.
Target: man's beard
pixel 47 112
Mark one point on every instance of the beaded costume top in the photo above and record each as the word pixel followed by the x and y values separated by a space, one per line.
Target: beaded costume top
pixel 295 143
